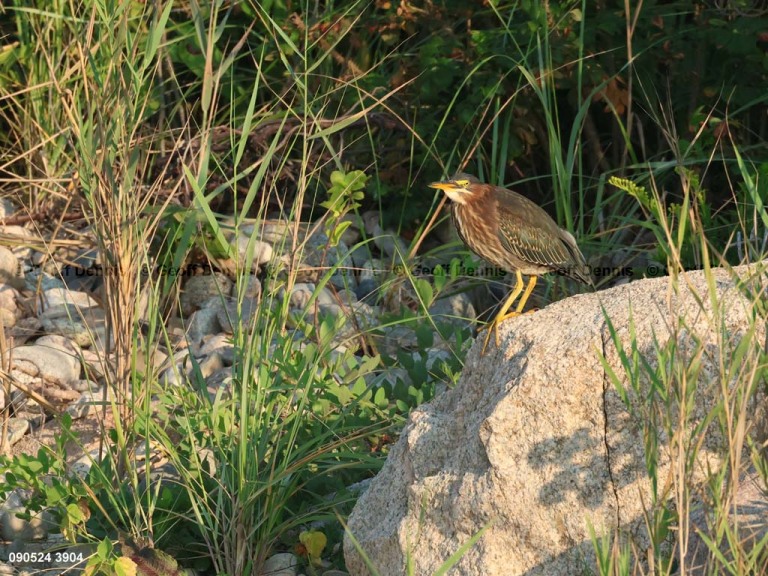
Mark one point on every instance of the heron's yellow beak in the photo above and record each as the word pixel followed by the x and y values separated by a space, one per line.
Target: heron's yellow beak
pixel 444 185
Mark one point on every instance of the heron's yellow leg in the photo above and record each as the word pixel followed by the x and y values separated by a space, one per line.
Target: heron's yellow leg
pixel 493 326
pixel 523 299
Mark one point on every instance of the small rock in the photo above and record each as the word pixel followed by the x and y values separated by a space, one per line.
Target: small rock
pixel 92 333
pixel 17 428
pixel 352 234
pixel 83 405
pixel 283 564
pixel 9 298
pixel 25 329
pixel 274 232
pixel 204 322
pixel 262 251
pixel 231 313
pixel 74 315
pixel 60 301
pixel 222 345
pixel 84 385
pixel 7 318
pixel 361 254
pixel 372 269
pixel 82 465
pixel 388 242
pixel 456 309
pixel 53 365
pixel 302 293
pixel 13 528
pixel 220 380
pixel 10 270
pixel 367 291
pixel 200 289
pixel 7 209
pixel 319 253
pixel 252 288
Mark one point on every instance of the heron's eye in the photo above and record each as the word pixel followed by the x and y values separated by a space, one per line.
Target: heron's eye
pixel 462 183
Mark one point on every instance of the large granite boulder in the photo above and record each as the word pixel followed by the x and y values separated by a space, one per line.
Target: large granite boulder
pixel 537 443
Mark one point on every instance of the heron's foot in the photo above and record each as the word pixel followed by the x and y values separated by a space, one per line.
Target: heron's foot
pixel 493 327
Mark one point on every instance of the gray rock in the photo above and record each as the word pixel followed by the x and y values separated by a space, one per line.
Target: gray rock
pixel 283 564
pixel 302 293
pixel 52 364
pixel 76 329
pixel 73 315
pixel 274 232
pixel 262 251
pixel 87 402
pixel 200 289
pixel 7 209
pixel 14 529
pixel 368 291
pixel 9 298
pixel 455 309
pixel 231 314
pixel 373 269
pixel 536 440
pixel 389 243
pixel 17 428
pixel 10 269
pixel 352 234
pixel 82 465
pixel 222 345
pixel 252 288
pixel 84 385
pixel 60 301
pixel 204 322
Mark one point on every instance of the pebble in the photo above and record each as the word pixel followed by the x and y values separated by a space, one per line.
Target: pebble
pixel 53 365
pixel 262 251
pixel 200 289
pixel 15 529
pixel 17 427
pixel 283 564
pixel 231 313
pixel 10 270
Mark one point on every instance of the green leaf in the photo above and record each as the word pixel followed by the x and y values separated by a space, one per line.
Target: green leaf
pixel 104 549
pixel 440 279
pixel 380 398
pixel 314 541
pixel 424 290
pixel 75 514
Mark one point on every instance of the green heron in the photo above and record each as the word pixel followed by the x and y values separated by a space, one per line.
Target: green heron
pixel 510 231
